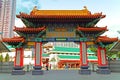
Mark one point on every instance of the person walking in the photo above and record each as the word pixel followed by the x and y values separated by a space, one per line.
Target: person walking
pixel 47 66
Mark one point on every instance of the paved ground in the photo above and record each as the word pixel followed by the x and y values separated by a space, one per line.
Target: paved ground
pixel 60 75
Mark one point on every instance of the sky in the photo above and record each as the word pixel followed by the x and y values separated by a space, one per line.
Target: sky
pixel 111 8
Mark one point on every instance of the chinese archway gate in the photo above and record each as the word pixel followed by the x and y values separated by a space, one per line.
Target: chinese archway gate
pixel 57 26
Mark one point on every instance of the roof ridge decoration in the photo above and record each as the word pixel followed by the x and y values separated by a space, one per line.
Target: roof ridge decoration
pixel 84 11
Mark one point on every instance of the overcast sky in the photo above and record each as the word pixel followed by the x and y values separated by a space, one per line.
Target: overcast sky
pixel 111 8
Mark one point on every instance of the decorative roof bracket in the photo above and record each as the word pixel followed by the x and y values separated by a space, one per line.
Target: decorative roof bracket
pixel 97 35
pixel 83 39
pixel 80 32
pixel 38 39
pixel 19 45
pixel 21 34
pixel 101 44
pixel 93 22
pixel 27 23
pixel 40 33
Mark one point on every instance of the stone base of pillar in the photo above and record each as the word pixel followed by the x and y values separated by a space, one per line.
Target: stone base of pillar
pixel 103 70
pixel 84 70
pixel 37 70
pixel 18 71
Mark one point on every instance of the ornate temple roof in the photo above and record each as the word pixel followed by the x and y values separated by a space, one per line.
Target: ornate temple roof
pixel 92 29
pixel 29 30
pixel 13 40
pixel 58 15
pixel 106 39
pixel 84 13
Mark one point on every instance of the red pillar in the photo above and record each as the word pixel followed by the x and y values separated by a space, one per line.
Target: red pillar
pixel 83 54
pixel 38 53
pixel 38 59
pixel 83 59
pixel 18 62
pixel 103 67
pixel 19 56
pixel 101 53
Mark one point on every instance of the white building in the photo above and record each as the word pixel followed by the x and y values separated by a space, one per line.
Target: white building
pixel 65 44
pixel 7 17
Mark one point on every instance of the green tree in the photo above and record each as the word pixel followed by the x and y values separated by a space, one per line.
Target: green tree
pixel 93 49
pixel 109 53
pixel 1 58
pixel 7 57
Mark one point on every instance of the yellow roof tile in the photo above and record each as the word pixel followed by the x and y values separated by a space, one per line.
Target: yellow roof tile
pixel 84 11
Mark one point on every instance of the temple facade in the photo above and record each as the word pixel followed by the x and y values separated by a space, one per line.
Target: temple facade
pixel 78 26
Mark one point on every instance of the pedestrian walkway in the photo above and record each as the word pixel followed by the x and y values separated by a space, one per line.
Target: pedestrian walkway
pixel 60 75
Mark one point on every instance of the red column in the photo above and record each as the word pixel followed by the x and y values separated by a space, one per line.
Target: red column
pixel 19 56
pixel 83 54
pixel 101 53
pixel 38 53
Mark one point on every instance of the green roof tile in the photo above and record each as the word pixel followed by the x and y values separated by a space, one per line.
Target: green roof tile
pixel 92 57
pixel 70 50
pixel 75 57
pixel 45 55
pixel 68 57
pixel 66 49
